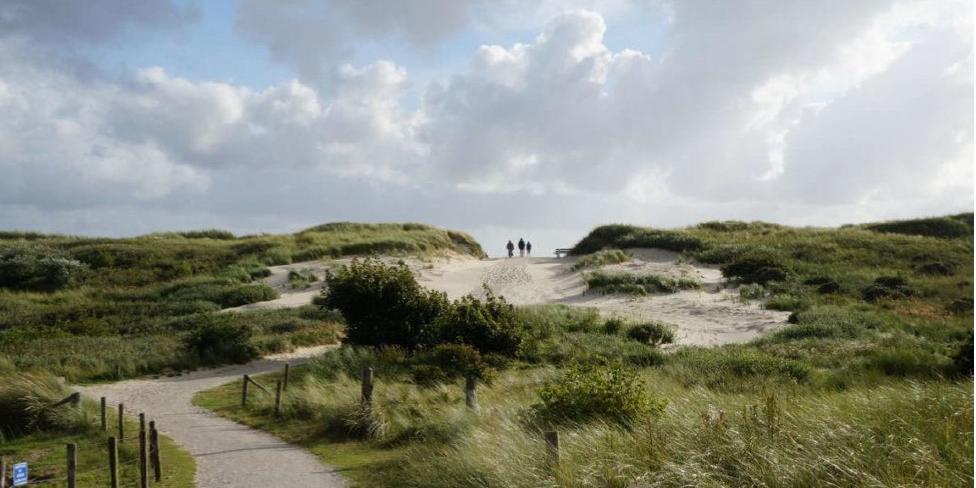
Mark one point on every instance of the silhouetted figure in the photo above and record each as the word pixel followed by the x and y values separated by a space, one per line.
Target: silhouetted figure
pixel 528 248
pixel 521 247
pixel 511 248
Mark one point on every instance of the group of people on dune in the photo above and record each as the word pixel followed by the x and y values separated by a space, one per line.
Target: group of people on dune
pixel 524 247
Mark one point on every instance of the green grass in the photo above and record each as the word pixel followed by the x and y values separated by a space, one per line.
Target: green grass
pixel 125 312
pixel 636 284
pixel 601 258
pixel 851 393
pixel 34 433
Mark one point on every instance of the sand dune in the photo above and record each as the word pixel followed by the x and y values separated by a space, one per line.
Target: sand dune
pixel 710 316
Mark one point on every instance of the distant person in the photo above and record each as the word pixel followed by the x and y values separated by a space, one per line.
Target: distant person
pixel 521 247
pixel 528 248
pixel 511 248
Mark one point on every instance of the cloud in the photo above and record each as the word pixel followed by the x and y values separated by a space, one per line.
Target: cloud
pixel 802 112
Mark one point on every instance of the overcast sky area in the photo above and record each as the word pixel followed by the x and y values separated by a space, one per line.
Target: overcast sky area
pixel 512 118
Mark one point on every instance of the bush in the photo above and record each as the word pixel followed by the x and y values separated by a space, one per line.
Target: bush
pixel 934 269
pixel 37 267
pixel 653 333
pixel 490 326
pixel 943 227
pixel 588 391
pixel 635 284
pixel 756 267
pixel 613 326
pixel 888 287
pixel 383 304
pixel 823 284
pixel 219 340
pixel 446 362
pixel 962 360
pixel 960 306
pixel 625 236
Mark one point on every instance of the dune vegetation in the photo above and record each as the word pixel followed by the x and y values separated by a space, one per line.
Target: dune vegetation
pixel 869 385
pixel 100 309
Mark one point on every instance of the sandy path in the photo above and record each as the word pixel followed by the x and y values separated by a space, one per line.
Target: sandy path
pixel 227 453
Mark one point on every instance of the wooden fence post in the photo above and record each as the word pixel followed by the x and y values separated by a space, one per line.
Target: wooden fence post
pixel 143 460
pixel 3 472
pixel 552 444
pixel 104 416
pixel 244 391
pixel 367 386
pixel 121 422
pixel 154 451
pixel 277 410
pixel 470 393
pixel 285 386
pixel 72 458
pixel 113 462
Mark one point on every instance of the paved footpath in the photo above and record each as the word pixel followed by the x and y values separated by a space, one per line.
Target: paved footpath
pixel 228 454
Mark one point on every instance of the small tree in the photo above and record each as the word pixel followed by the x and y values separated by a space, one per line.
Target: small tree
pixel 382 304
pixel 490 326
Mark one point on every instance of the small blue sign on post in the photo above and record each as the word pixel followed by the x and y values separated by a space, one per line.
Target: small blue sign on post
pixel 20 474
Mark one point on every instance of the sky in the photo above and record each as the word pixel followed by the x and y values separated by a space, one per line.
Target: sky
pixel 503 118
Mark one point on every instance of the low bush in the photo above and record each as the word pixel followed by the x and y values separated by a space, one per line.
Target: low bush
pixel 943 227
pixel 637 284
pixel 220 340
pixel 37 267
pixel 756 267
pixel 627 236
pixel 300 280
pixel 962 360
pixel 823 284
pixel 888 287
pixel 601 258
pixel 588 392
pixel 935 269
pixel 490 325
pixel 383 304
pixel 653 333
pixel 613 326
pixel 447 362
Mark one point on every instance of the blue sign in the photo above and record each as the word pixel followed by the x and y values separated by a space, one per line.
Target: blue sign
pixel 20 474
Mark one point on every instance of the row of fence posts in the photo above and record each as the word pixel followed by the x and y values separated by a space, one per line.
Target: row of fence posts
pixel 148 449
pixel 470 399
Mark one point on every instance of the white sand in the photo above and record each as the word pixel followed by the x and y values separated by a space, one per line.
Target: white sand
pixel 710 316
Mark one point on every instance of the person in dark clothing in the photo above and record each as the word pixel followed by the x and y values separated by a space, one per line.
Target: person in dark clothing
pixel 521 247
pixel 528 248
pixel 511 248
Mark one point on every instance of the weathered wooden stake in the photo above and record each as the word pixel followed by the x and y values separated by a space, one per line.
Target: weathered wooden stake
pixel 154 451
pixel 470 393
pixel 277 410
pixel 367 386
pixel 113 462
pixel 285 386
pixel 244 391
pixel 104 416
pixel 3 472
pixel 72 457
pixel 143 461
pixel 121 422
pixel 552 443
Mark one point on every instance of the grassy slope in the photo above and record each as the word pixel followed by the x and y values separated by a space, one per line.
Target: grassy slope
pixel 126 314
pixel 855 393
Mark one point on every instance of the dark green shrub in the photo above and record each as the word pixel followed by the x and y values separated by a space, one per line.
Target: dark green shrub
pixel 383 304
pixel 823 284
pixel 756 267
pixel 625 236
pixel 653 333
pixel 888 287
pixel 724 226
pixel 245 294
pixel 220 340
pixel 37 267
pixel 490 326
pixel 960 306
pixel 943 227
pixel 934 269
pixel 589 391
pixel 962 360
pixel 447 362
pixel 613 326
pixel 209 234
